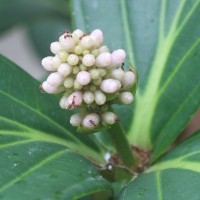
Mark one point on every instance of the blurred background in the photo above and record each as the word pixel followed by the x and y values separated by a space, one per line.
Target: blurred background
pixel 28 27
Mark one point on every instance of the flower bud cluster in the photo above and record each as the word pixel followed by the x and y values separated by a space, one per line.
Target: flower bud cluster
pixel 90 76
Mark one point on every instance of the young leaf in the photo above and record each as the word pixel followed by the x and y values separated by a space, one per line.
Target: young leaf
pixel 162 40
pixel 175 176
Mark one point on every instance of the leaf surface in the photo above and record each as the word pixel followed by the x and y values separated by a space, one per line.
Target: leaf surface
pixel 175 176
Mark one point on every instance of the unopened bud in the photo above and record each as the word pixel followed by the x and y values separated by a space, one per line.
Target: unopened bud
pixel 83 77
pixel 110 85
pixel 88 60
pixel 118 57
pixel 76 119
pixel 79 33
pixel 75 100
pixel 63 56
pixel 47 63
pixel 117 74
pixel 51 89
pixel 128 80
pixel 55 47
pixel 103 60
pixel 88 97
pixel 78 50
pixel 104 49
pixel 126 97
pixel 91 121
pixel 100 98
pixel 73 59
pixel 65 69
pixel 86 42
pixel 109 117
pixel 94 73
pixel 64 101
pixel 77 85
pixel 69 82
pixel 56 61
pixel 67 43
pixel 55 79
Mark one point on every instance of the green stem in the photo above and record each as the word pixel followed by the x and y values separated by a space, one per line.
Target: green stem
pixel 122 145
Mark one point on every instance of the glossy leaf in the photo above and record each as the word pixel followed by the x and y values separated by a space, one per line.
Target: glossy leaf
pixel 30 169
pixel 162 39
pixel 175 176
pixel 25 109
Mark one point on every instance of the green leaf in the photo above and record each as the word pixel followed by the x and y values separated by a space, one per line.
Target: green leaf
pixel 24 111
pixel 25 11
pixel 162 39
pixel 30 169
pixel 175 176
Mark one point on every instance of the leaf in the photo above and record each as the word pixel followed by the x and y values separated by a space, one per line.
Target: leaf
pixel 31 169
pixel 35 135
pixel 162 39
pixel 25 11
pixel 24 111
pixel 175 176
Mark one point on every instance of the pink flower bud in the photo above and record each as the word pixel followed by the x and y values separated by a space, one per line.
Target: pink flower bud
pixel 103 60
pixel 97 37
pixel 55 47
pixel 100 98
pixel 109 118
pixel 91 121
pixel 47 63
pixel 118 57
pixel 126 97
pixel 65 69
pixel 128 80
pixel 51 89
pixel 88 60
pixel 74 100
pixel 76 119
pixel 55 79
pixel 83 77
pixel 110 85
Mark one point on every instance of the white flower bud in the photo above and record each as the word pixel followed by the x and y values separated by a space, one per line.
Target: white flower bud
pixel 128 80
pixel 56 61
pixel 97 81
pixel 77 85
pixel 88 60
pixel 63 56
pixel 55 47
pixel 51 89
pixel 104 49
pixel 47 63
pixel 76 70
pixel 55 79
pixel 126 97
pixel 76 119
pixel 110 85
pixel 82 67
pixel 117 74
pixel 103 60
pixel 95 52
pixel 78 50
pixel 86 42
pixel 99 97
pixel 67 42
pixel 88 97
pixel 75 100
pixel 73 59
pixel 91 121
pixel 69 82
pixel 97 37
pixel 83 77
pixel 79 33
pixel 109 117
pixel 64 101
pixel 94 73
pixel 65 69
pixel 118 57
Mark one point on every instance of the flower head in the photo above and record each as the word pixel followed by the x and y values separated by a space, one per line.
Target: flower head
pixel 91 78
